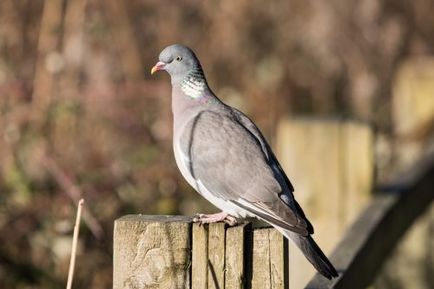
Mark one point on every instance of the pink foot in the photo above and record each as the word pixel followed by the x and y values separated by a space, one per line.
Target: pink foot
pixel 214 218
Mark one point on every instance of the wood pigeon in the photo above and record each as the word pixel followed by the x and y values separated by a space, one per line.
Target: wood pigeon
pixel 223 156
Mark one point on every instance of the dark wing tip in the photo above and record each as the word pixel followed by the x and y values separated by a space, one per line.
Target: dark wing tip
pixel 318 259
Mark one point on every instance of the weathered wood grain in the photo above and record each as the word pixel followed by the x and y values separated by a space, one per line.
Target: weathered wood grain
pixel 268 269
pixel 154 252
pixel 199 270
pixel 151 252
pixel 279 260
pixel 235 256
pixel 216 255
pixel 261 260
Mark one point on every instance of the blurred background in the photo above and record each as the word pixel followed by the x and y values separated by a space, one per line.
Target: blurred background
pixel 80 115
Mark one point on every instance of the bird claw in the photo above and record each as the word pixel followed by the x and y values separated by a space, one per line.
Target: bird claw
pixel 231 221
pixel 214 218
pixel 197 218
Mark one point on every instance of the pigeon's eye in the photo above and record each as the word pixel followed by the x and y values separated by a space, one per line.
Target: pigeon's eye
pixel 179 58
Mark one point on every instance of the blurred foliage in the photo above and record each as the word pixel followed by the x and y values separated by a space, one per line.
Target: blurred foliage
pixel 81 116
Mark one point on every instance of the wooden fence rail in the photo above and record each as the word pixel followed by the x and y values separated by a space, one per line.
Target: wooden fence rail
pixel 171 252
pixel 372 237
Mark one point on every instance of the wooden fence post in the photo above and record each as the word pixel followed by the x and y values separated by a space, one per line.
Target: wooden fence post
pixel 151 252
pixel 169 252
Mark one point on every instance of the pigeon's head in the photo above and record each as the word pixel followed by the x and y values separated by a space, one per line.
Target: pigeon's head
pixel 178 60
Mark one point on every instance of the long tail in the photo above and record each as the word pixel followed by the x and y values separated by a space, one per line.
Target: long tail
pixel 313 253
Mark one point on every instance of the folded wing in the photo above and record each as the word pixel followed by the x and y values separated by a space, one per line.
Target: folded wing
pixel 233 162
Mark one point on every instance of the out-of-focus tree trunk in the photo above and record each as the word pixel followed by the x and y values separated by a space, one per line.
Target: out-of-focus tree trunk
pixel 49 60
pixel 125 40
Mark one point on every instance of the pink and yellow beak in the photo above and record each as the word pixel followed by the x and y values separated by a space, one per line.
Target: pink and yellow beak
pixel 157 67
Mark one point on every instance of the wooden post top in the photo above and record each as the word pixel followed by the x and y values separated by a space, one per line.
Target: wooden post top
pixel 155 218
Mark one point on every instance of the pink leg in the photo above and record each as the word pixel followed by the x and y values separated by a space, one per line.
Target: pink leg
pixel 214 218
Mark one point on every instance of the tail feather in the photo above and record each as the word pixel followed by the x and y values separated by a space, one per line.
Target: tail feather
pixel 313 253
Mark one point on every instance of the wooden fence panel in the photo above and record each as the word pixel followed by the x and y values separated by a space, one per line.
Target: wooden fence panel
pixel 331 165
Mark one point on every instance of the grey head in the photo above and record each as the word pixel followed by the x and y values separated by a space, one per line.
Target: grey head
pixel 183 67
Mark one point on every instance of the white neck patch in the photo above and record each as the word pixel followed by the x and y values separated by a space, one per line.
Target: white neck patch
pixel 194 83
pixel 194 88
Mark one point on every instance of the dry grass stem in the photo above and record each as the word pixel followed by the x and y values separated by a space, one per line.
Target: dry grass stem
pixel 74 245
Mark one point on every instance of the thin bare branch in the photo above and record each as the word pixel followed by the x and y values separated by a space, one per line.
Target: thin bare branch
pixel 73 192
